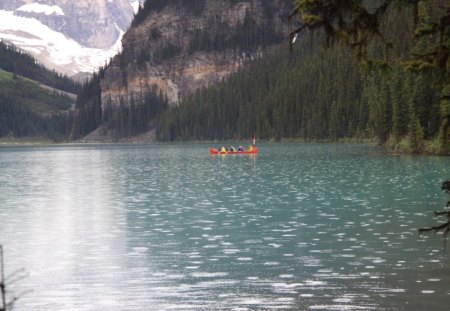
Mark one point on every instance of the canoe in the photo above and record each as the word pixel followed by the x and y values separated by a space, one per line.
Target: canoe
pixel 215 151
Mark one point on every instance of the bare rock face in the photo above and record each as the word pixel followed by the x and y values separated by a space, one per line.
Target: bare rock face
pixel 177 49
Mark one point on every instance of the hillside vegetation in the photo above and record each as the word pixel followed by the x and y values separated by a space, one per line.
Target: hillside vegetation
pixel 316 93
pixel 28 110
pixel 173 48
pixel 132 118
pixel 23 64
pixel 34 101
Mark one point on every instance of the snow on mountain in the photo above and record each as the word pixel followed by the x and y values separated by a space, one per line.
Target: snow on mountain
pixel 41 8
pixel 135 4
pixel 70 36
pixel 52 48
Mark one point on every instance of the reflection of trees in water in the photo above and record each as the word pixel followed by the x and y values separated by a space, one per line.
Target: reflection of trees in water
pixel 444 226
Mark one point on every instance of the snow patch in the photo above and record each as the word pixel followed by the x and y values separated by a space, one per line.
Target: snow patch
pixel 41 8
pixel 52 48
pixel 135 4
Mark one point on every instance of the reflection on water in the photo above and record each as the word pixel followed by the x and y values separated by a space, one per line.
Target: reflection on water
pixel 318 227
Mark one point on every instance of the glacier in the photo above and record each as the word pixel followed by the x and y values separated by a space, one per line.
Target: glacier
pixel 71 37
pixel 53 49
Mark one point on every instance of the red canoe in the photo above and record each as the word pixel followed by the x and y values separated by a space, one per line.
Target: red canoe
pixel 215 151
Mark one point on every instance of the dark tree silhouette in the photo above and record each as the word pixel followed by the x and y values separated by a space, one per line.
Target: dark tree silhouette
pixel 444 226
pixel 14 277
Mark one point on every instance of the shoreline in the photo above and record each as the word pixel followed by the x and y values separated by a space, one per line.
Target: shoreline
pixel 143 139
pixel 146 139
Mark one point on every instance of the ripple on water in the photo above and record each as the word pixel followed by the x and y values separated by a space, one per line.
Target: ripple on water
pixel 339 307
pixel 181 228
pixel 271 263
pixel 231 251
pixel 209 274
pixel 211 246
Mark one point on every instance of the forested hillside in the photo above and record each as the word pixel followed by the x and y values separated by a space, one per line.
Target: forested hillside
pixel 34 101
pixel 134 117
pixel 316 93
pixel 173 48
pixel 20 63
pixel 215 35
pixel 28 110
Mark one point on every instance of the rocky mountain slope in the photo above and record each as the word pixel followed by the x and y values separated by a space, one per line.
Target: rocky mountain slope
pixel 65 35
pixel 175 47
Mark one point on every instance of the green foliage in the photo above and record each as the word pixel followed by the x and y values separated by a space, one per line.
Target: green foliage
pixel 27 110
pixel 133 118
pixel 415 133
pixel 275 100
pixel 357 23
pixel 20 63
pixel 313 94
pixel 246 36
pixel 347 20
pixel 444 130
pixel 88 114
pixel 433 146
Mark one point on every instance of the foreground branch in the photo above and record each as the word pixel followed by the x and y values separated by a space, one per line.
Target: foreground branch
pixel 444 226
pixel 438 228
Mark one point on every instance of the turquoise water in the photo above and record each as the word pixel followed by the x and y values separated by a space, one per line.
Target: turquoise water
pixel 169 227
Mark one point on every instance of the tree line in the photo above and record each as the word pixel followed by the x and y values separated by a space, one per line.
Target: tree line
pixel 359 24
pixel 135 115
pixel 27 110
pixel 314 93
pixel 20 63
pixel 131 116
pixel 317 93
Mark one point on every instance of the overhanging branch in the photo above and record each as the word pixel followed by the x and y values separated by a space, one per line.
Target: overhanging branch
pixel 444 226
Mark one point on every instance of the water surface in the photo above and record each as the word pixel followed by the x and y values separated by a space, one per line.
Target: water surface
pixel 169 227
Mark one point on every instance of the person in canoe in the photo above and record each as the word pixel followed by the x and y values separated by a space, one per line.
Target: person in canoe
pixel 223 149
pixel 250 148
pixel 232 149
pixel 240 149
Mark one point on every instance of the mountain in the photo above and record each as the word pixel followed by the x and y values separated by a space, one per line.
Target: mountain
pixel 69 36
pixel 178 46
pixel 172 49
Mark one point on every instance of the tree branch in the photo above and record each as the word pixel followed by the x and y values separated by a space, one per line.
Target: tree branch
pixel 437 228
pixel 446 225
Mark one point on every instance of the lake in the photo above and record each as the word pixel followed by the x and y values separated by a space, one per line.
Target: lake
pixel 169 227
